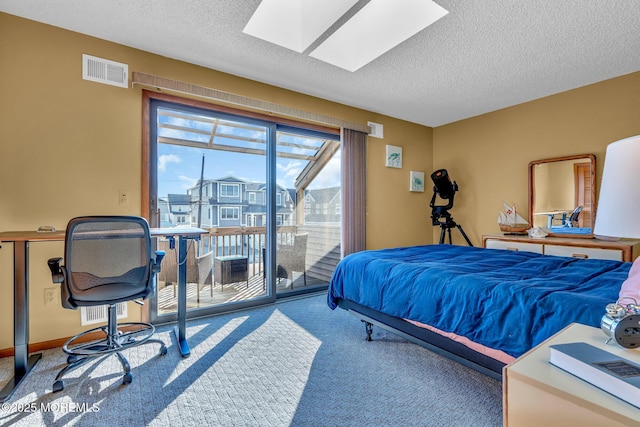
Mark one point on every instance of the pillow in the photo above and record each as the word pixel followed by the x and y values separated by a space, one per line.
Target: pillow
pixel 631 287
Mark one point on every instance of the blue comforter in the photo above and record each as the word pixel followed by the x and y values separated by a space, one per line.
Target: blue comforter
pixel 509 301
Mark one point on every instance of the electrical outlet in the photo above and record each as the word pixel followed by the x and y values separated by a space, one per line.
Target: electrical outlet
pixel 51 296
pixel 123 197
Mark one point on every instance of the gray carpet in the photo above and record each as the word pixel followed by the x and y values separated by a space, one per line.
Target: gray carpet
pixel 295 363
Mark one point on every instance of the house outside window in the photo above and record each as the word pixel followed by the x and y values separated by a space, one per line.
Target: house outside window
pixel 229 190
pixel 229 213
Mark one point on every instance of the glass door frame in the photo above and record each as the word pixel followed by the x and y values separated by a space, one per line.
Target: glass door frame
pixel 151 101
pixel 152 197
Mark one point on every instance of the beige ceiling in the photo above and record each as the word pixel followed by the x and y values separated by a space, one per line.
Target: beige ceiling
pixel 483 56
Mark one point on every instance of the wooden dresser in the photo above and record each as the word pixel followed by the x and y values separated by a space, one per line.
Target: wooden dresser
pixel 619 250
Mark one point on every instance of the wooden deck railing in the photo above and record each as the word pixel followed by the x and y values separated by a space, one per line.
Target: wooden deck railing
pixel 245 241
pixel 323 247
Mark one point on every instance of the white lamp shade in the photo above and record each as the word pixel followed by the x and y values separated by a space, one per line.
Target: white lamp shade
pixel 618 213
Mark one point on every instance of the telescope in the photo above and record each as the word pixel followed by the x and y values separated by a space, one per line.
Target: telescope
pixel 446 189
pixel 443 187
pixel 442 184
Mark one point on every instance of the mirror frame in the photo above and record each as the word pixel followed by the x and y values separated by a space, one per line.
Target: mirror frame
pixel 594 204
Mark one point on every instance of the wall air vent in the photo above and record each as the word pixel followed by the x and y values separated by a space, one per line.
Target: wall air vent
pixel 100 313
pixel 104 71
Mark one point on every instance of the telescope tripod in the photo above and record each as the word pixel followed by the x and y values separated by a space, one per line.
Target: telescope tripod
pixel 445 226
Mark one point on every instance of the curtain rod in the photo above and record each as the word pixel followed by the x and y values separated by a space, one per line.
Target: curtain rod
pixel 150 80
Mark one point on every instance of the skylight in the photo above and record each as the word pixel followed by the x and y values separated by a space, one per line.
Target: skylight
pixel 377 27
pixel 295 24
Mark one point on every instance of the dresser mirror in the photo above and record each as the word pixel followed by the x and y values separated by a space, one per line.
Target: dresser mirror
pixel 562 195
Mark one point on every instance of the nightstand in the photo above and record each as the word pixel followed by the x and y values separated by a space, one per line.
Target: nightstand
pixel 536 393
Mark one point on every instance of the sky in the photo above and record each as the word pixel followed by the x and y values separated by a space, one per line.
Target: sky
pixel 179 168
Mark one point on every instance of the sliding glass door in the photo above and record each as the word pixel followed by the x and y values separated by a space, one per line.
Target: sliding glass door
pixel 267 194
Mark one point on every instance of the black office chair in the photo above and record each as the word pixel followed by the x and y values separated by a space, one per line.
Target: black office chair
pixel 572 221
pixel 107 260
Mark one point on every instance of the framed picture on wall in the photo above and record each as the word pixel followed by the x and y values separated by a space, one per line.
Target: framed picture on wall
pixel 416 181
pixel 394 157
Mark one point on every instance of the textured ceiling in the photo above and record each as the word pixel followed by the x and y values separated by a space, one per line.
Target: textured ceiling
pixel 484 55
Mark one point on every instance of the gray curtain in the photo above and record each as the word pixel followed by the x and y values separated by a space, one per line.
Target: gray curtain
pixel 354 190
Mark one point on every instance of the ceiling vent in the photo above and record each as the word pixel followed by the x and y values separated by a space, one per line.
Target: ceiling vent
pixel 104 71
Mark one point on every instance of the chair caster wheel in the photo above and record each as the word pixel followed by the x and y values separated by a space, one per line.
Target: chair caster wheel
pixel 58 386
pixel 127 378
pixel 163 350
pixel 72 359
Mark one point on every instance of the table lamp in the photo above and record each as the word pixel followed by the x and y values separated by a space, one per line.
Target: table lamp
pixel 618 215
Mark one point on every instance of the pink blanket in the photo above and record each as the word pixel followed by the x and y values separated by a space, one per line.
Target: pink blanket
pixel 494 354
pixel 631 287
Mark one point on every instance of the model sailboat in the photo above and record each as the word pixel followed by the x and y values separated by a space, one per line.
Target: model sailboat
pixel 510 221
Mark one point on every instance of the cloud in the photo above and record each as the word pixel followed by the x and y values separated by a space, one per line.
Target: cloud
pixel 167 158
pixel 288 172
pixel 330 176
pixel 187 181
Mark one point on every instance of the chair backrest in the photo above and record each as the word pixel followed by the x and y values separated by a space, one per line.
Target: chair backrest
pixel 205 264
pixel 107 260
pixel 169 273
pixel 572 221
pixel 574 215
pixel 300 243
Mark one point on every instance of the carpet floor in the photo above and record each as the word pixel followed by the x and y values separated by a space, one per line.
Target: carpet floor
pixel 294 363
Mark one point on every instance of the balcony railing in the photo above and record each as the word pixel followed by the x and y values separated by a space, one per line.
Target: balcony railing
pixel 322 256
pixel 244 241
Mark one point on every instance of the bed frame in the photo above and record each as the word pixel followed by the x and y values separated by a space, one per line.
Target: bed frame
pixel 424 337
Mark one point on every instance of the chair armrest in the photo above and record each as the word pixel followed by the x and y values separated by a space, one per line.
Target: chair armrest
pixel 56 271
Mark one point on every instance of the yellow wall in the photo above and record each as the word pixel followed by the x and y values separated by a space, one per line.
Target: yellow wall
pixel 489 155
pixel 68 146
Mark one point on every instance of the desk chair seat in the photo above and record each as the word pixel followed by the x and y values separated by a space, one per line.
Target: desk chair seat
pixel 107 261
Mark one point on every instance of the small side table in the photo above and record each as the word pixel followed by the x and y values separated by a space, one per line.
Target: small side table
pixel 537 393
pixel 230 269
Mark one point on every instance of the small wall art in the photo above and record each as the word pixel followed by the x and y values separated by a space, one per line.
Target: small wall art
pixel 394 157
pixel 416 182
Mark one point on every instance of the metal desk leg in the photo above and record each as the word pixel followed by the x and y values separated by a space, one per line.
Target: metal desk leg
pixel 179 330
pixel 22 362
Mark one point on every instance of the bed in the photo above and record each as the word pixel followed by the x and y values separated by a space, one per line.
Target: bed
pixel 481 307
